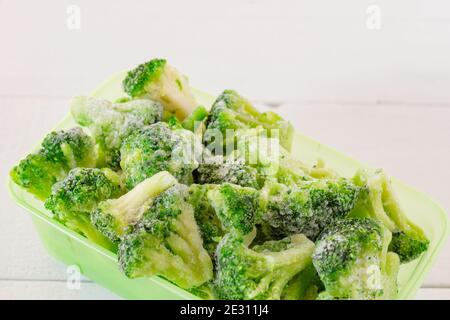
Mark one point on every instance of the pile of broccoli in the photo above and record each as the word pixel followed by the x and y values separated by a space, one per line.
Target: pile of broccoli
pixel 214 202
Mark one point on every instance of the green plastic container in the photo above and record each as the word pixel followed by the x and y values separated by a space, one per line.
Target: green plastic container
pixel 100 265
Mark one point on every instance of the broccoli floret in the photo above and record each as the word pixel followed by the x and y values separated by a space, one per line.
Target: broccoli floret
pixel 304 286
pixel 379 202
pixel 261 272
pixel 237 207
pixel 60 152
pixel 209 224
pixel 110 123
pixel 167 242
pixel 83 189
pixel 219 169
pixel 232 112
pixel 159 81
pixel 269 158
pixel 74 198
pixel 195 118
pixel 115 217
pixel 352 260
pixel 157 148
pixel 306 208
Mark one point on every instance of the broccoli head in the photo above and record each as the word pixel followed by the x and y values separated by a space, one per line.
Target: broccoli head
pixel 353 262
pixel 306 208
pixel 115 217
pixel 110 123
pixel 83 189
pixel 260 272
pixel 60 152
pixel 211 228
pixel 233 112
pixel 219 169
pixel 237 207
pixel 74 198
pixel 167 242
pixel 158 148
pixel 159 81
pixel 379 202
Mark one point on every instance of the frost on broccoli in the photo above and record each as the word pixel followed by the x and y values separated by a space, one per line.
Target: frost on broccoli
pixel 74 198
pixel 237 207
pixel 268 157
pixel 110 123
pixel 159 148
pixel 167 242
pixel 232 112
pixel 306 208
pixel 211 228
pixel 60 152
pixel 219 169
pixel 261 272
pixel 353 262
pixel 159 81
pixel 379 202
pixel 115 217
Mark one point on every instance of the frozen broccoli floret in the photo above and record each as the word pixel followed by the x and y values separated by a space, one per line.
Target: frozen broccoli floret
pixel 83 189
pixel 115 217
pixel 159 81
pixel 353 262
pixel 167 242
pixel 218 169
pixel 307 208
pixel 110 123
pixel 211 228
pixel 232 112
pixel 306 285
pixel 158 148
pixel 379 202
pixel 195 118
pixel 261 272
pixel 269 158
pixel 237 207
pixel 60 152
pixel 74 198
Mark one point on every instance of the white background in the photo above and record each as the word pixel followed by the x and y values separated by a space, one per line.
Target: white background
pixel 382 96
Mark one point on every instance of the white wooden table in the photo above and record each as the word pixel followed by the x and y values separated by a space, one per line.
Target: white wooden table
pixel 389 110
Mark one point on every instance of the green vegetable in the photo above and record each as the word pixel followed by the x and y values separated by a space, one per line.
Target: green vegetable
pixel 304 286
pixel 195 118
pixel 159 81
pixel 159 148
pixel 110 123
pixel 114 218
pixel 261 272
pixel 74 198
pixel 60 152
pixel 379 202
pixel 211 228
pixel 232 112
pixel 353 262
pixel 218 169
pixel 167 242
pixel 306 208
pixel 237 207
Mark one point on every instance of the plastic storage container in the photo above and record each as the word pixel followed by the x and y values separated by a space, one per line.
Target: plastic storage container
pixel 100 265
